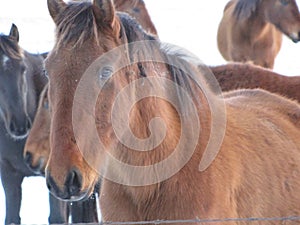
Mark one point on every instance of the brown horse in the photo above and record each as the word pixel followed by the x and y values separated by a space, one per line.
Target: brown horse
pixel 242 75
pixel 36 150
pixel 138 10
pixel 96 128
pixel 251 30
pixel 36 154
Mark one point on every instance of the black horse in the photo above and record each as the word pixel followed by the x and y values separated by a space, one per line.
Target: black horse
pixel 21 82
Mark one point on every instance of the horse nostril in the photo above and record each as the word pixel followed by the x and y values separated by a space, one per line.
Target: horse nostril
pixel 19 130
pixel 28 158
pixel 52 186
pixel 74 182
pixel 13 127
pixel 28 124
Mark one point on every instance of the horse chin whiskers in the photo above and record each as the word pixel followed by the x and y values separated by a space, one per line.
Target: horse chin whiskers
pixel 83 196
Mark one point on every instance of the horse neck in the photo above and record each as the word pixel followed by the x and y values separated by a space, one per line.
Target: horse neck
pixel 38 78
pixel 256 24
pixel 139 122
pixel 35 80
pixel 142 112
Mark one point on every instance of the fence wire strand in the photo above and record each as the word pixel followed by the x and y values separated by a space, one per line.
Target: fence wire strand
pixel 204 221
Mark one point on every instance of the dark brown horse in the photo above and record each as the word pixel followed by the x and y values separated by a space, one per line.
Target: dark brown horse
pixel 242 75
pixel 251 30
pixel 106 117
pixel 21 82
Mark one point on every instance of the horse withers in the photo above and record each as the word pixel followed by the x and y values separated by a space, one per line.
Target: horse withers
pixel 95 128
pixel 21 82
pixel 251 30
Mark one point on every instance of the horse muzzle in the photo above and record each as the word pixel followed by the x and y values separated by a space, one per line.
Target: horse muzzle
pixel 72 187
pixel 295 37
pixel 19 130
pixel 36 166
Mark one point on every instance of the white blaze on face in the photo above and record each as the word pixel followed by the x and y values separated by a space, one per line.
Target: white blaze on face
pixel 5 59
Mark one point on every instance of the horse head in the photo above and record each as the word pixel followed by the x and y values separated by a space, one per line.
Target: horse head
pixel 17 102
pixel 284 15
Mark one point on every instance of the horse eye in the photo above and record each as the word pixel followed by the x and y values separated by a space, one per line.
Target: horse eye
pixel 284 2
pixel 23 68
pixel 106 72
pixel 45 73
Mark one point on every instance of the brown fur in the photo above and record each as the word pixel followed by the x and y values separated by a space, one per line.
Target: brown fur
pixel 255 174
pixel 138 10
pixel 37 143
pixel 239 75
pixel 251 30
pixel 230 77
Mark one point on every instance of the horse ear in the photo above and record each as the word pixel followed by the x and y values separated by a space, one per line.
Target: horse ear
pixel 14 33
pixel 55 7
pixel 104 12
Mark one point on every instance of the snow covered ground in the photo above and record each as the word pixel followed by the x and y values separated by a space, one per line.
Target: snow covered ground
pixel 191 24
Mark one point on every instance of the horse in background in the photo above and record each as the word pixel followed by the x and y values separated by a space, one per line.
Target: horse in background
pixel 36 154
pixel 251 30
pixel 243 75
pixel 21 82
pixel 37 148
pixel 242 181
pixel 137 9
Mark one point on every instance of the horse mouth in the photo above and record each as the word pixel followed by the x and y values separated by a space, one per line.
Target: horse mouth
pixel 73 198
pixel 295 37
pixel 18 132
pixel 67 193
pixel 295 40
pixel 38 167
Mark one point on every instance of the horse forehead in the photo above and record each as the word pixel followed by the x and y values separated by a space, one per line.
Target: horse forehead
pixel 4 60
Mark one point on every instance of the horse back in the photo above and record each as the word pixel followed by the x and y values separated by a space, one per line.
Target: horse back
pixel 273 106
pixel 243 75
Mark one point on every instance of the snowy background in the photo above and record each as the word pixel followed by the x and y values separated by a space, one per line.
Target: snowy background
pixel 191 24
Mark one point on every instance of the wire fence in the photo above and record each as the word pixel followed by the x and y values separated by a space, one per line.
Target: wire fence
pixel 207 221
pixel 198 220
